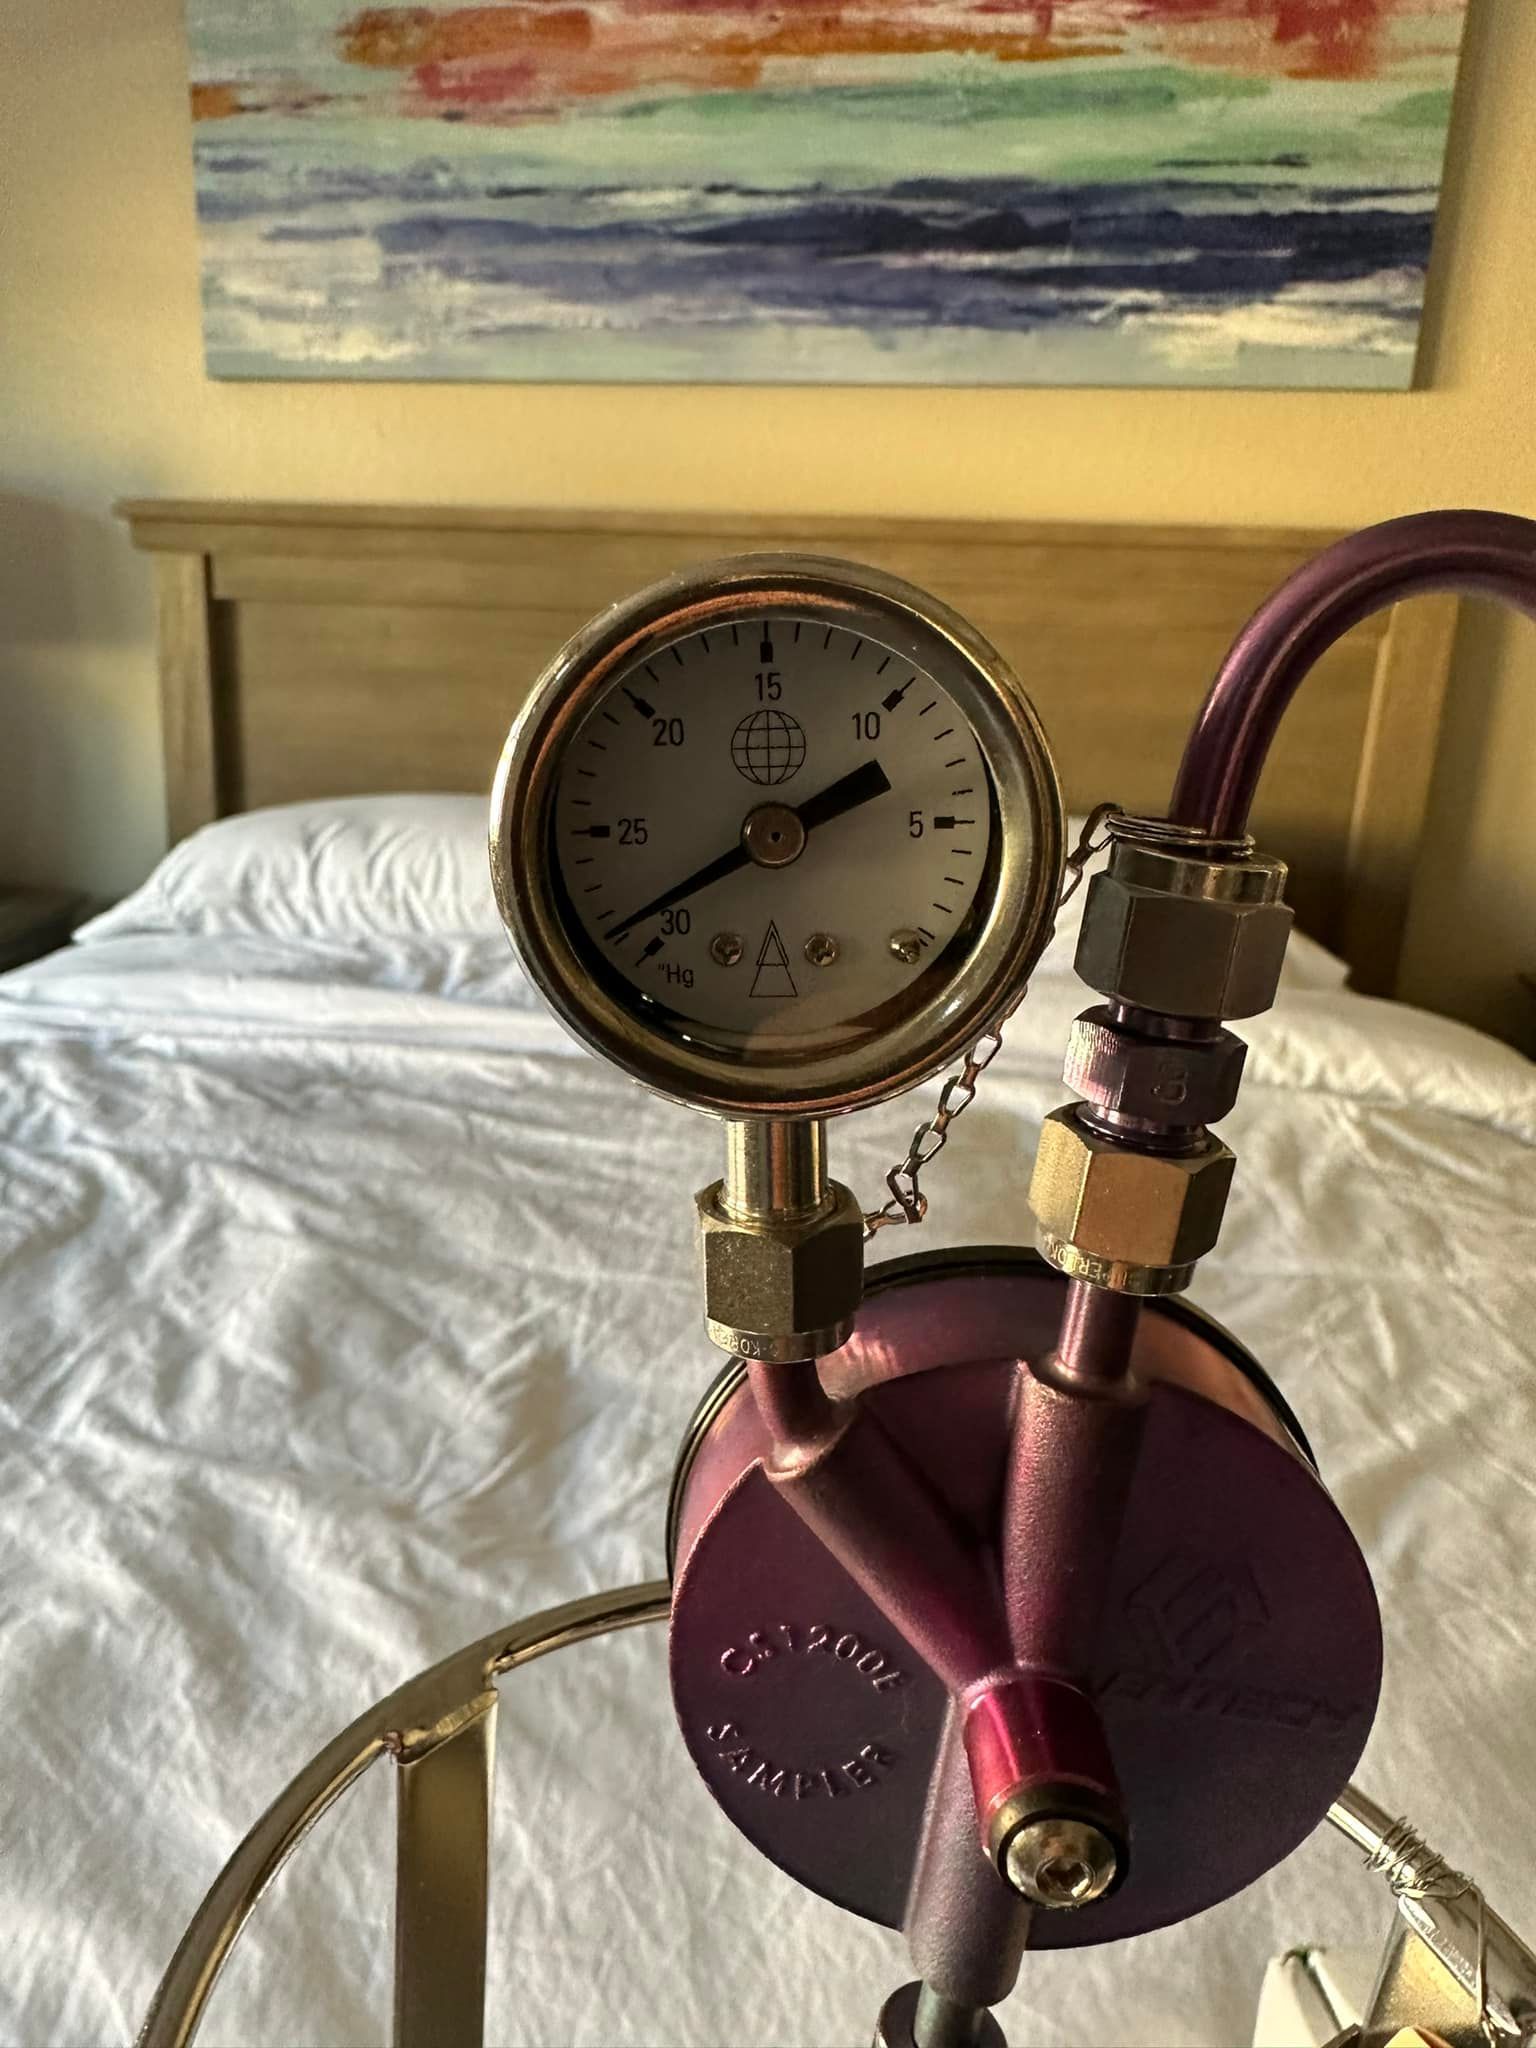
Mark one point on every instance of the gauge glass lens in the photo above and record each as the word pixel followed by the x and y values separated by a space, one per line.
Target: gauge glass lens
pixel 773 831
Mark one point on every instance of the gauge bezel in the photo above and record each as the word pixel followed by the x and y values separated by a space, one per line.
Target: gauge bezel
pixel 1013 926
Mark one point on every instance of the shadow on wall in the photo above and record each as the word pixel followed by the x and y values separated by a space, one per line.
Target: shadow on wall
pixel 1466 914
pixel 79 769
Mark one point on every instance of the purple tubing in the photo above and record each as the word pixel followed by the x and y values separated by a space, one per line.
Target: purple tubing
pixel 1487 554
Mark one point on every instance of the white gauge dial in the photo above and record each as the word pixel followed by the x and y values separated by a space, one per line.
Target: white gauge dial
pixel 778 835
pixel 772 827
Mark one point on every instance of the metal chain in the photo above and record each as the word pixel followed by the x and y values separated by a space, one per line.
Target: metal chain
pixel 908 1203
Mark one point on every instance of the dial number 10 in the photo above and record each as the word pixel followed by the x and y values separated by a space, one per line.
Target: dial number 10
pixel 866 725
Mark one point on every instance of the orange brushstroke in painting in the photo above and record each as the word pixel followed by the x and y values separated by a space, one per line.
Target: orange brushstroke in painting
pixel 829 34
pixel 215 102
pixel 402 38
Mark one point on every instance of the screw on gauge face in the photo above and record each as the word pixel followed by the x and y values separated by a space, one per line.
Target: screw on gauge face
pixel 725 948
pixel 821 949
pixel 906 945
pixel 1059 1863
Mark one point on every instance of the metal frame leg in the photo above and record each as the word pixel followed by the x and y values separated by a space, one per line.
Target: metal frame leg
pixel 442 1885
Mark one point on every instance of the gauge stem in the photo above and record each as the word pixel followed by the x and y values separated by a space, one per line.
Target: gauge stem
pixel 775 1169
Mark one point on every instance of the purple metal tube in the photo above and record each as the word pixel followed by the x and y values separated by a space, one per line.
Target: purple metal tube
pixel 1491 554
pixel 1076 1432
pixel 852 1484
pixel 1070 1465
pixel 965 1927
pixel 793 1403
pixel 1098 1329
pixel 882 1521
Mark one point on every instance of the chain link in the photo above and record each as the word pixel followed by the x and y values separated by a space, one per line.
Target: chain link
pixel 908 1203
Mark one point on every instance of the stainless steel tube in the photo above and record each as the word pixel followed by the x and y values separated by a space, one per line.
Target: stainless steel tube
pixel 774 1169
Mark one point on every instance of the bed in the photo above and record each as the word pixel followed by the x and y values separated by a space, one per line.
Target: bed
pixel 350 1308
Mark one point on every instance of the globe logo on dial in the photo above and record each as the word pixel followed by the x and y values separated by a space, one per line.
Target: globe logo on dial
pixel 768 746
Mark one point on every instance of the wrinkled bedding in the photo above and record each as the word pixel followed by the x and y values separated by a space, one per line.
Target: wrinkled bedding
pixel 349 1312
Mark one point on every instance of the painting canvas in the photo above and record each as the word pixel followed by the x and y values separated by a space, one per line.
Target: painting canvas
pixel 1193 192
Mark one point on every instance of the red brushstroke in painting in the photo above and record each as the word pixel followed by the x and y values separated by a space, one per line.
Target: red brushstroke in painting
pixel 519 58
pixel 1344 34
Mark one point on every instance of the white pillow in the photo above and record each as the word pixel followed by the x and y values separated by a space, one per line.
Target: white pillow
pixel 412 867
pixel 365 867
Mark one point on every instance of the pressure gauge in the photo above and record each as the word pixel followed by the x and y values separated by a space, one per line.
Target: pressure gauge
pixel 778 836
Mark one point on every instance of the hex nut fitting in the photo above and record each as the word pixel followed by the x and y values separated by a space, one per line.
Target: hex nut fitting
pixel 782 1290
pixel 1160 1080
pixel 1128 1219
pixel 1185 936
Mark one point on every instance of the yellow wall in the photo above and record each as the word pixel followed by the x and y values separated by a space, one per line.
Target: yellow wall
pixel 104 395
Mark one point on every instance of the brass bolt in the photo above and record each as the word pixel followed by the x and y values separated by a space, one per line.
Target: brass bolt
pixel 725 948
pixel 1060 1863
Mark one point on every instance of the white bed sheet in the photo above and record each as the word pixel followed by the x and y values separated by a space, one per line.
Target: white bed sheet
pixel 349 1312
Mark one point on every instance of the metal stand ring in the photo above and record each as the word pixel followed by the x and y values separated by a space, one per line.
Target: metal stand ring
pixel 438 1726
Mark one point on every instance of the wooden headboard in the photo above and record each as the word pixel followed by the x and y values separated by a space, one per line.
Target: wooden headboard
pixel 322 650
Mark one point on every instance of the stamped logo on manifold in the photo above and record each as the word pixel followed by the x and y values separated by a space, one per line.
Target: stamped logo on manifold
pixel 796 1651
pixel 1198 1614
pixel 760 1647
pixel 861 1772
pixel 1195 1620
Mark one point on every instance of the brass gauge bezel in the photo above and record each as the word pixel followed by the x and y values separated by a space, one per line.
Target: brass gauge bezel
pixel 1010 928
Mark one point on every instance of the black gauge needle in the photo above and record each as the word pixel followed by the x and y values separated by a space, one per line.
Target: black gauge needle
pixel 858 786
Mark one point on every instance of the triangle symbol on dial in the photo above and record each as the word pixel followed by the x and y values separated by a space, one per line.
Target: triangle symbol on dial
pixel 773 977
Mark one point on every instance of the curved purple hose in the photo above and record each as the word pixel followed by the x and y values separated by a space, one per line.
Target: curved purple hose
pixel 1490 554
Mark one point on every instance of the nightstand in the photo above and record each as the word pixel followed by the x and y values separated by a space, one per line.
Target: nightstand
pixel 35 921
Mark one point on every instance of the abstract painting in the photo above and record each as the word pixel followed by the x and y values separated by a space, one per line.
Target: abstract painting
pixel 1192 192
